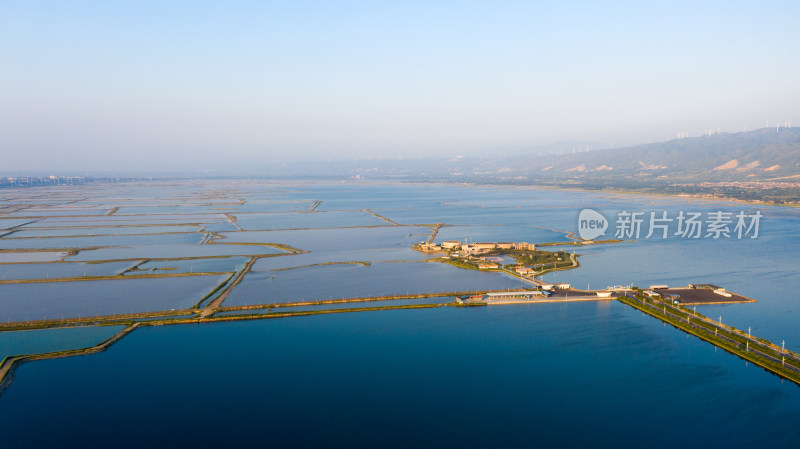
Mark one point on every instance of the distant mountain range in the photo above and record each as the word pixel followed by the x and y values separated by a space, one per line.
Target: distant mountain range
pixel 764 154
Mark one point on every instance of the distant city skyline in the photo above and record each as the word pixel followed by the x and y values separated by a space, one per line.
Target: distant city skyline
pixel 152 86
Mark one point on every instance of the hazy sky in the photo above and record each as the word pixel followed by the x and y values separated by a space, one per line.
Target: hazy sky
pixel 138 84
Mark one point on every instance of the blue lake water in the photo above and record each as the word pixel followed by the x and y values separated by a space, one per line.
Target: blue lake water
pixel 61 270
pixel 109 240
pixel 352 280
pixel 273 206
pixel 130 220
pixel 219 227
pixel 291 220
pixel 216 265
pixel 317 257
pixel 168 251
pixel 6 223
pixel 500 234
pixel 50 340
pixel 123 219
pixel 56 212
pixel 563 375
pixel 100 231
pixel 30 257
pixel 55 300
pixel 513 376
pixel 345 239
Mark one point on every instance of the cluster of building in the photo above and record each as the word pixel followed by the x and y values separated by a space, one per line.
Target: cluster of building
pixel 661 291
pixel 750 184
pixel 525 295
pixel 473 249
pixel 522 296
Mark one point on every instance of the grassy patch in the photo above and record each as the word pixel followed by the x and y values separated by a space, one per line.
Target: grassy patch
pixel 458 262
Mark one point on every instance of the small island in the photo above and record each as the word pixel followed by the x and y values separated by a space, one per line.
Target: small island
pixel 520 259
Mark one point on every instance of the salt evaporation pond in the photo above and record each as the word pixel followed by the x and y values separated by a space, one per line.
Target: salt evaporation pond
pixel 354 280
pixel 10 223
pixel 364 255
pixel 290 220
pixel 548 368
pixel 216 265
pixel 100 231
pixel 62 270
pixel 174 251
pixel 50 340
pixel 57 212
pixel 342 239
pixel 111 240
pixel 31 256
pixel 55 300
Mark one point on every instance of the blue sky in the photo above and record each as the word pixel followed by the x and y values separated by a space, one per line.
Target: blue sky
pixel 99 85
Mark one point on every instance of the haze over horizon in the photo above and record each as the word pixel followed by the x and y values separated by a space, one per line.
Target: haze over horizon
pixel 145 86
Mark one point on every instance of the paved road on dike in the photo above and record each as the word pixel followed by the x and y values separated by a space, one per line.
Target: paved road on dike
pixel 215 304
pixel 755 346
